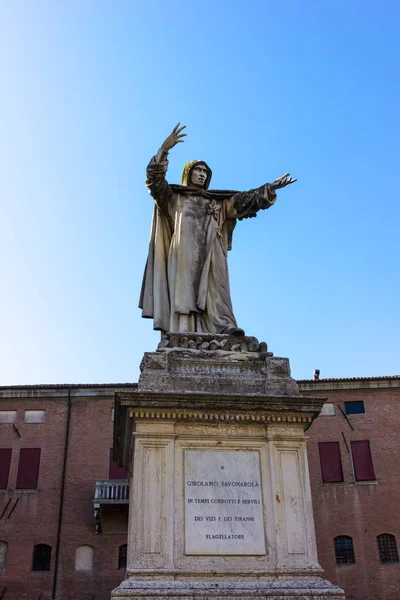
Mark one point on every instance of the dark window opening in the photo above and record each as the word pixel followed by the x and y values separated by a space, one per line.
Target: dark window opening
pixel 387 548
pixel 354 407
pixel 5 461
pixel 122 557
pixel 344 551
pixel 362 461
pixel 41 557
pixel 3 556
pixel 116 472
pixel 331 463
pixel 28 468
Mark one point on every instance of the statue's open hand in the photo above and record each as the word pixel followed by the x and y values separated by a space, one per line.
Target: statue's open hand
pixel 174 138
pixel 282 182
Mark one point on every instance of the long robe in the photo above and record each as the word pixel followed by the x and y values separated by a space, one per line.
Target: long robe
pixel 186 272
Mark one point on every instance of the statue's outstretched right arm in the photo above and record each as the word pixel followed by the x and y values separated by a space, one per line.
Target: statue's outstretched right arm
pixel 243 205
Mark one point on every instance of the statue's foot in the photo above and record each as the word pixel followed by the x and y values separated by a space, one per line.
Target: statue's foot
pixel 232 330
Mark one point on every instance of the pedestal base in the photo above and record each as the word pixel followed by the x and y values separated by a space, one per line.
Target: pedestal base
pixel 216 588
pixel 220 502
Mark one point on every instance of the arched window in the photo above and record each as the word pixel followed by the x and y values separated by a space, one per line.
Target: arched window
pixel 344 551
pixel 41 557
pixel 3 556
pixel 122 555
pixel 387 548
pixel 84 558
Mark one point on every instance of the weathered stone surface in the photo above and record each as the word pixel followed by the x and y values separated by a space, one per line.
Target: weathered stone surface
pixel 199 419
pixel 217 588
pixel 214 341
pixel 215 363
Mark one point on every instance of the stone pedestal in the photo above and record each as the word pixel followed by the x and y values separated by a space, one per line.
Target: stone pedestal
pixel 220 502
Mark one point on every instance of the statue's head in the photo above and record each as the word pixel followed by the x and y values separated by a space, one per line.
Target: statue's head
pixel 197 173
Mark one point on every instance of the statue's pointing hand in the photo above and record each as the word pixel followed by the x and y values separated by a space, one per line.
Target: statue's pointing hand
pixel 281 182
pixel 174 138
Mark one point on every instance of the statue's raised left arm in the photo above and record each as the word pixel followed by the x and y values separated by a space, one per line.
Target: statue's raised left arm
pixel 157 169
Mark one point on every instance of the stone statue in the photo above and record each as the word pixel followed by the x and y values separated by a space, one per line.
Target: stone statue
pixel 186 283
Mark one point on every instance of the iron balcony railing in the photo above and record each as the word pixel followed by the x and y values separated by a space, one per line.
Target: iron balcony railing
pixel 114 491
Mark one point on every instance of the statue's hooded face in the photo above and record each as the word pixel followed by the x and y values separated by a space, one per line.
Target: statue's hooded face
pixel 196 174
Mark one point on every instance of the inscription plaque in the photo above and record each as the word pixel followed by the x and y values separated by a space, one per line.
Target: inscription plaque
pixel 223 503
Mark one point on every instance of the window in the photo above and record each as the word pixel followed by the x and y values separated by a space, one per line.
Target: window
pixel 3 556
pixel 41 557
pixel 116 472
pixel 84 558
pixel 328 410
pixel 5 460
pixel 35 416
pixel 122 556
pixel 28 468
pixel 355 407
pixel 387 548
pixel 362 461
pixel 331 463
pixel 8 416
pixel 344 551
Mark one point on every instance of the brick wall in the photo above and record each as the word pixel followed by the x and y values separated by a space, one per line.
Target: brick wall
pixel 36 515
pixel 359 510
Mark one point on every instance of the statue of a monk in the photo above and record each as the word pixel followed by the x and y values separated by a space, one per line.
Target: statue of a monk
pixel 186 283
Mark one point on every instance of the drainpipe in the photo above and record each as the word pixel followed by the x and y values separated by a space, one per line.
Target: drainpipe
pixel 60 513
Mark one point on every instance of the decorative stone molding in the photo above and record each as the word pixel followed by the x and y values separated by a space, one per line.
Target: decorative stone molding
pixel 225 417
pixel 212 341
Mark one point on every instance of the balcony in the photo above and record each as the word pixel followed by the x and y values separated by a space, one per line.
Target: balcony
pixel 114 491
pixel 109 492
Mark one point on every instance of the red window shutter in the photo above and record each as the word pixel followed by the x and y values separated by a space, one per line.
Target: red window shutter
pixel 28 468
pixel 331 463
pixel 116 472
pixel 362 461
pixel 5 460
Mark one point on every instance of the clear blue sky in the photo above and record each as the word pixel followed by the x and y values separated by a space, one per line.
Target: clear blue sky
pixel 89 92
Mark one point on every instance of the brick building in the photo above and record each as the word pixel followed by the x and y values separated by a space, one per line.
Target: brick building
pixel 63 501
pixel 353 455
pixel 60 439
